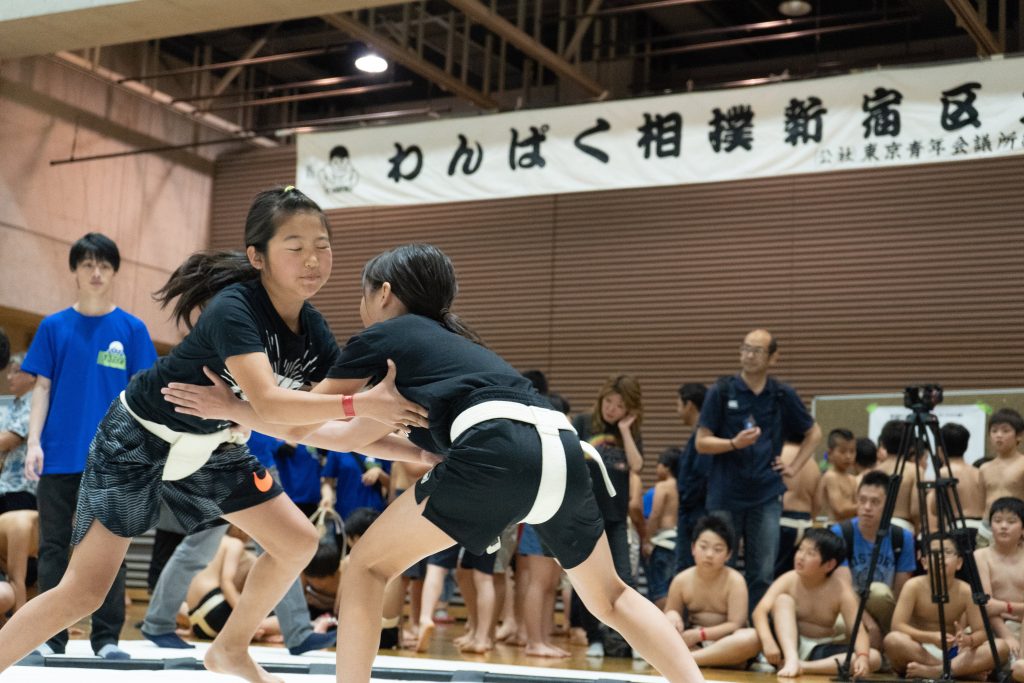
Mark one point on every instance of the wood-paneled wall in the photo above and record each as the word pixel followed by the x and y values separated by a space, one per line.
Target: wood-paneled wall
pixel 870 280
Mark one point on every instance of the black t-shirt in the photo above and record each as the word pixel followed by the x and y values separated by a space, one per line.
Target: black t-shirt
pixel 239 319
pixel 436 369
pixel 607 443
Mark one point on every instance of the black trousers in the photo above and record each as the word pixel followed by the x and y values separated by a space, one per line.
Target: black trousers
pixel 57 496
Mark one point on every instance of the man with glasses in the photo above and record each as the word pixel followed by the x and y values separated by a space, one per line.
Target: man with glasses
pixel 896 560
pixel 743 423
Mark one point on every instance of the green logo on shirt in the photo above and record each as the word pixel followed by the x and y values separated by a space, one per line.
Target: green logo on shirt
pixel 113 357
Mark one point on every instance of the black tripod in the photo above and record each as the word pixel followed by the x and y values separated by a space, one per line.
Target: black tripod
pixel 920 434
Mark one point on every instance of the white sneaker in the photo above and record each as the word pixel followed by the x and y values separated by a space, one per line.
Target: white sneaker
pixel 595 649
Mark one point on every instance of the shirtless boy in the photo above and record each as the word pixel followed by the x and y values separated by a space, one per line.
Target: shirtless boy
pixel 915 644
pixel 889 442
pixel 707 603
pixel 968 487
pixel 798 507
pixel 660 549
pixel 796 619
pixel 1004 475
pixel 838 486
pixel 1001 568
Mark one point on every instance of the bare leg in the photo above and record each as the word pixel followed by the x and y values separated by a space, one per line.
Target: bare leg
pixel 433 586
pixel 290 542
pixel 903 651
pixel 508 612
pixel 974 661
pixel 642 624
pixel 91 571
pixel 538 592
pixel 733 650
pixel 483 613
pixel 467 587
pixel 522 582
pixel 787 635
pixel 830 665
pixel 374 560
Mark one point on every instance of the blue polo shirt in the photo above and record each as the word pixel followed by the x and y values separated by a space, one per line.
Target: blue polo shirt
pixel 692 477
pixel 351 493
pixel 744 478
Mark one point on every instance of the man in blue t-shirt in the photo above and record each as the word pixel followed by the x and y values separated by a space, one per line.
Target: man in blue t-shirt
pixel 895 565
pixel 743 423
pixel 82 358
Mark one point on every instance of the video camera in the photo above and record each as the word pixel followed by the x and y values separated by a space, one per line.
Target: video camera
pixel 922 397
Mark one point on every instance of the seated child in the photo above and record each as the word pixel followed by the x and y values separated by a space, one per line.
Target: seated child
pixel 19 550
pixel 798 618
pixel 215 590
pixel 1001 569
pixel 707 603
pixel 915 644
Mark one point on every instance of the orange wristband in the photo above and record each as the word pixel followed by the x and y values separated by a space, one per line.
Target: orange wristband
pixel 348 405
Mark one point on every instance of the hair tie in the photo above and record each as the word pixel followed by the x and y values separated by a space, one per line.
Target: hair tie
pixel 288 188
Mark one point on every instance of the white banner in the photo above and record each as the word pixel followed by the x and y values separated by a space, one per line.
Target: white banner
pixel 973 417
pixel 875 119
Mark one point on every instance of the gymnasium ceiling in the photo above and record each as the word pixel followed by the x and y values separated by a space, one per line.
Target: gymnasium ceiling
pixel 273 64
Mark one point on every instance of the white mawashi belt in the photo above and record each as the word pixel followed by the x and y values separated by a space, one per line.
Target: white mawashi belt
pixel 188 452
pixel 796 523
pixel 665 538
pixel 548 422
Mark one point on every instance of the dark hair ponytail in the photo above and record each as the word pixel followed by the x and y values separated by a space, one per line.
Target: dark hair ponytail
pixel 202 275
pixel 205 273
pixel 423 278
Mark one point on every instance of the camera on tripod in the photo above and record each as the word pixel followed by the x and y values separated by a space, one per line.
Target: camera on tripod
pixel 922 397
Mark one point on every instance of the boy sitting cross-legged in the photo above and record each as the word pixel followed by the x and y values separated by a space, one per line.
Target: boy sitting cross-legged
pixel 707 603
pixel 915 644
pixel 797 619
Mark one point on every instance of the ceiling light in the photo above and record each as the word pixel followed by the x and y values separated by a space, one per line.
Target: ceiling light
pixel 795 8
pixel 371 63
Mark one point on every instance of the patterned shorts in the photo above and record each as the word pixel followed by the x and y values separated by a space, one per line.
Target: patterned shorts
pixel 122 485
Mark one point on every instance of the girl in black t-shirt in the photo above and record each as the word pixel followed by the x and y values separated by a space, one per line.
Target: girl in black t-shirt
pixel 507 457
pixel 257 331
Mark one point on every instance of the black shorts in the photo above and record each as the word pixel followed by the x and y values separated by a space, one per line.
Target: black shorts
pixel 490 479
pixel 481 563
pixel 446 559
pixel 17 500
pixel 210 615
pixel 122 486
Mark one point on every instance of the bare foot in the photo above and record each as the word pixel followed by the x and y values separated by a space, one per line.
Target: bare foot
pixel 237 664
pixel 425 635
pixel 506 630
pixel 518 640
pixel 577 636
pixel 478 646
pixel 789 670
pixel 544 650
pixel 918 670
pixel 463 640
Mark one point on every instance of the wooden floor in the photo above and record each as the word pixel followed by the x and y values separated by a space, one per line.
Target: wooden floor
pixel 443 648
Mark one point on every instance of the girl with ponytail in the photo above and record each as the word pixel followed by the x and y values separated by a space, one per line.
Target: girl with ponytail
pixel 256 333
pixel 507 457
